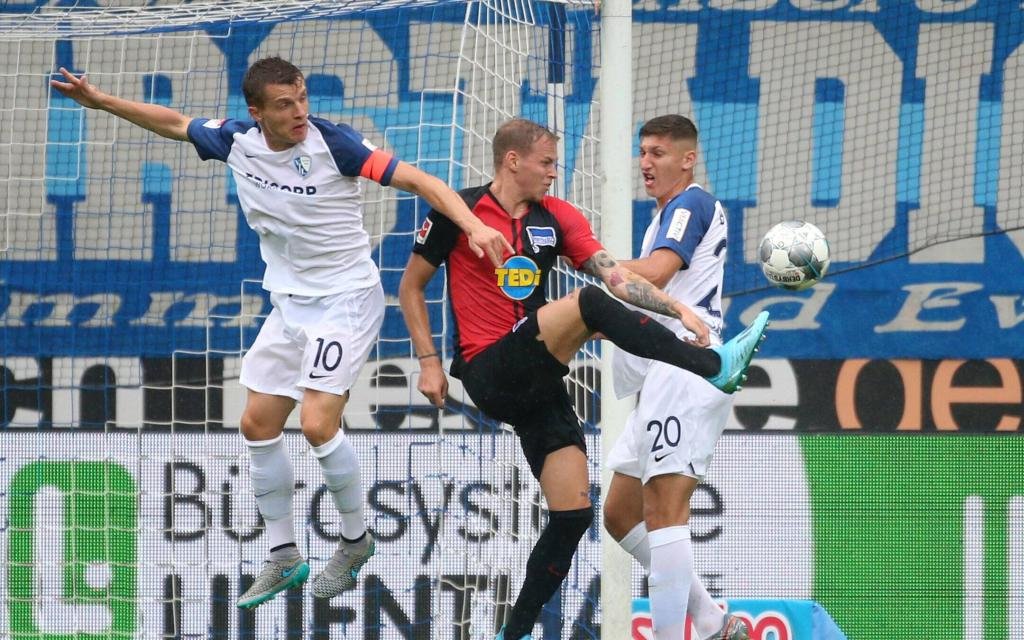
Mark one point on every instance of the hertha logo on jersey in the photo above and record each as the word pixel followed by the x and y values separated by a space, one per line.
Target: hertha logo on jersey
pixel 302 165
pixel 541 237
pixel 421 235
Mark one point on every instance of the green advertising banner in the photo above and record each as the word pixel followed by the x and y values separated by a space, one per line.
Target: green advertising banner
pixel 73 537
pixel 153 535
pixel 919 536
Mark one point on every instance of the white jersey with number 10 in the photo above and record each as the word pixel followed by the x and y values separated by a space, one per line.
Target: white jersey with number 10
pixel 304 202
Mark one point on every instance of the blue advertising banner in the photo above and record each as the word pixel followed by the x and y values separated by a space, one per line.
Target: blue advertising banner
pixel 887 124
pixel 765 619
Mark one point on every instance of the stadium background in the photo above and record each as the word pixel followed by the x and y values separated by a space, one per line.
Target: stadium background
pixel 873 464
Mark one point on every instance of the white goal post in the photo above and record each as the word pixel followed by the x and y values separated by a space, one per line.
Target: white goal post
pixel 616 234
pixel 126 258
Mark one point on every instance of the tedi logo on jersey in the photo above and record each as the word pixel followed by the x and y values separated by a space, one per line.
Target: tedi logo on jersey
pixel 518 277
pixel 541 237
pixel 302 165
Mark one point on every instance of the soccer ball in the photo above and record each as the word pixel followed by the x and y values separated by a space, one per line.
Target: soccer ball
pixel 794 255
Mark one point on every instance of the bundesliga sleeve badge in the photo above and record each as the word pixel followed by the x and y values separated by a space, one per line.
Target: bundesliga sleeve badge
pixel 421 235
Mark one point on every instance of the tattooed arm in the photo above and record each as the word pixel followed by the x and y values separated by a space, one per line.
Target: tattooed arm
pixel 632 288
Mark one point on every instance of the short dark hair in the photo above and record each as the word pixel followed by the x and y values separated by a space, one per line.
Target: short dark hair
pixel 674 126
pixel 518 134
pixel 273 70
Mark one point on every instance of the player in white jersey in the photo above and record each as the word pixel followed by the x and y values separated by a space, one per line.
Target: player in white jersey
pixel 297 179
pixel 670 436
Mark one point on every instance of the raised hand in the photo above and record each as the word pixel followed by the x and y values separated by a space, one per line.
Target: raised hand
pixel 489 241
pixel 78 89
pixel 695 325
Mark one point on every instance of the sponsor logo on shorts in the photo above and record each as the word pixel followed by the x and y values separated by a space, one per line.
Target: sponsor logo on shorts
pixel 518 277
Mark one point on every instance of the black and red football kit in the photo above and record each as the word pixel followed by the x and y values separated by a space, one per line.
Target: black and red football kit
pixel 482 312
pixel 507 371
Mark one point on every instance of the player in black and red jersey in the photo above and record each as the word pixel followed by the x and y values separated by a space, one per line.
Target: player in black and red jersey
pixel 512 346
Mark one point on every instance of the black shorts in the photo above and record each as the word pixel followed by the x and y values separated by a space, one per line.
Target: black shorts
pixel 516 380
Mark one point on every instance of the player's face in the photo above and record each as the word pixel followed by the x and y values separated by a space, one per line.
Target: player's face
pixel 537 169
pixel 666 166
pixel 284 114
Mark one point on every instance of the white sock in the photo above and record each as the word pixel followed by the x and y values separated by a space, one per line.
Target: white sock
pixel 669 581
pixel 273 483
pixel 635 544
pixel 341 475
pixel 707 616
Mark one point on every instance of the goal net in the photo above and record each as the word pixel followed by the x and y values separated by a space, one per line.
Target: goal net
pixel 132 291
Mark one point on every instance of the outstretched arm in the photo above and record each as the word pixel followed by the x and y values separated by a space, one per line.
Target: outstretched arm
pixel 158 119
pixel 482 239
pixel 657 268
pixel 432 383
pixel 634 289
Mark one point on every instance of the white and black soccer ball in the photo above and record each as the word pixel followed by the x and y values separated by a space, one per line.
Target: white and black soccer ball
pixel 794 255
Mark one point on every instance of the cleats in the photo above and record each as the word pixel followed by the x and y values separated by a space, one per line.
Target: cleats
pixel 340 572
pixel 274 577
pixel 737 353
pixel 732 629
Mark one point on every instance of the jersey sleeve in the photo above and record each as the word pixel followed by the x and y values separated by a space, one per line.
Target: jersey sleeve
pixel 436 238
pixel 354 154
pixel 684 222
pixel 213 138
pixel 579 243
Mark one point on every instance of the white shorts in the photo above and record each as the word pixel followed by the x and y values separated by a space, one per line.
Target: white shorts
pixel 674 427
pixel 313 343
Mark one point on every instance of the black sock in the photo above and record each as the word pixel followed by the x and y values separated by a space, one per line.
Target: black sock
pixel 638 334
pixel 287 551
pixel 283 546
pixel 547 567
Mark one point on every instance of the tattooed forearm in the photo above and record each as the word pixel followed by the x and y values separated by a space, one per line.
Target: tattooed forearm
pixel 628 286
pixel 598 263
pixel 646 296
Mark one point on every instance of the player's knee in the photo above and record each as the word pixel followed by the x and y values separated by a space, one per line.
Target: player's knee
pixel 317 431
pixel 561 537
pixel 593 302
pixel 255 428
pixel 662 515
pixel 249 426
pixel 571 525
pixel 319 426
pixel 615 523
